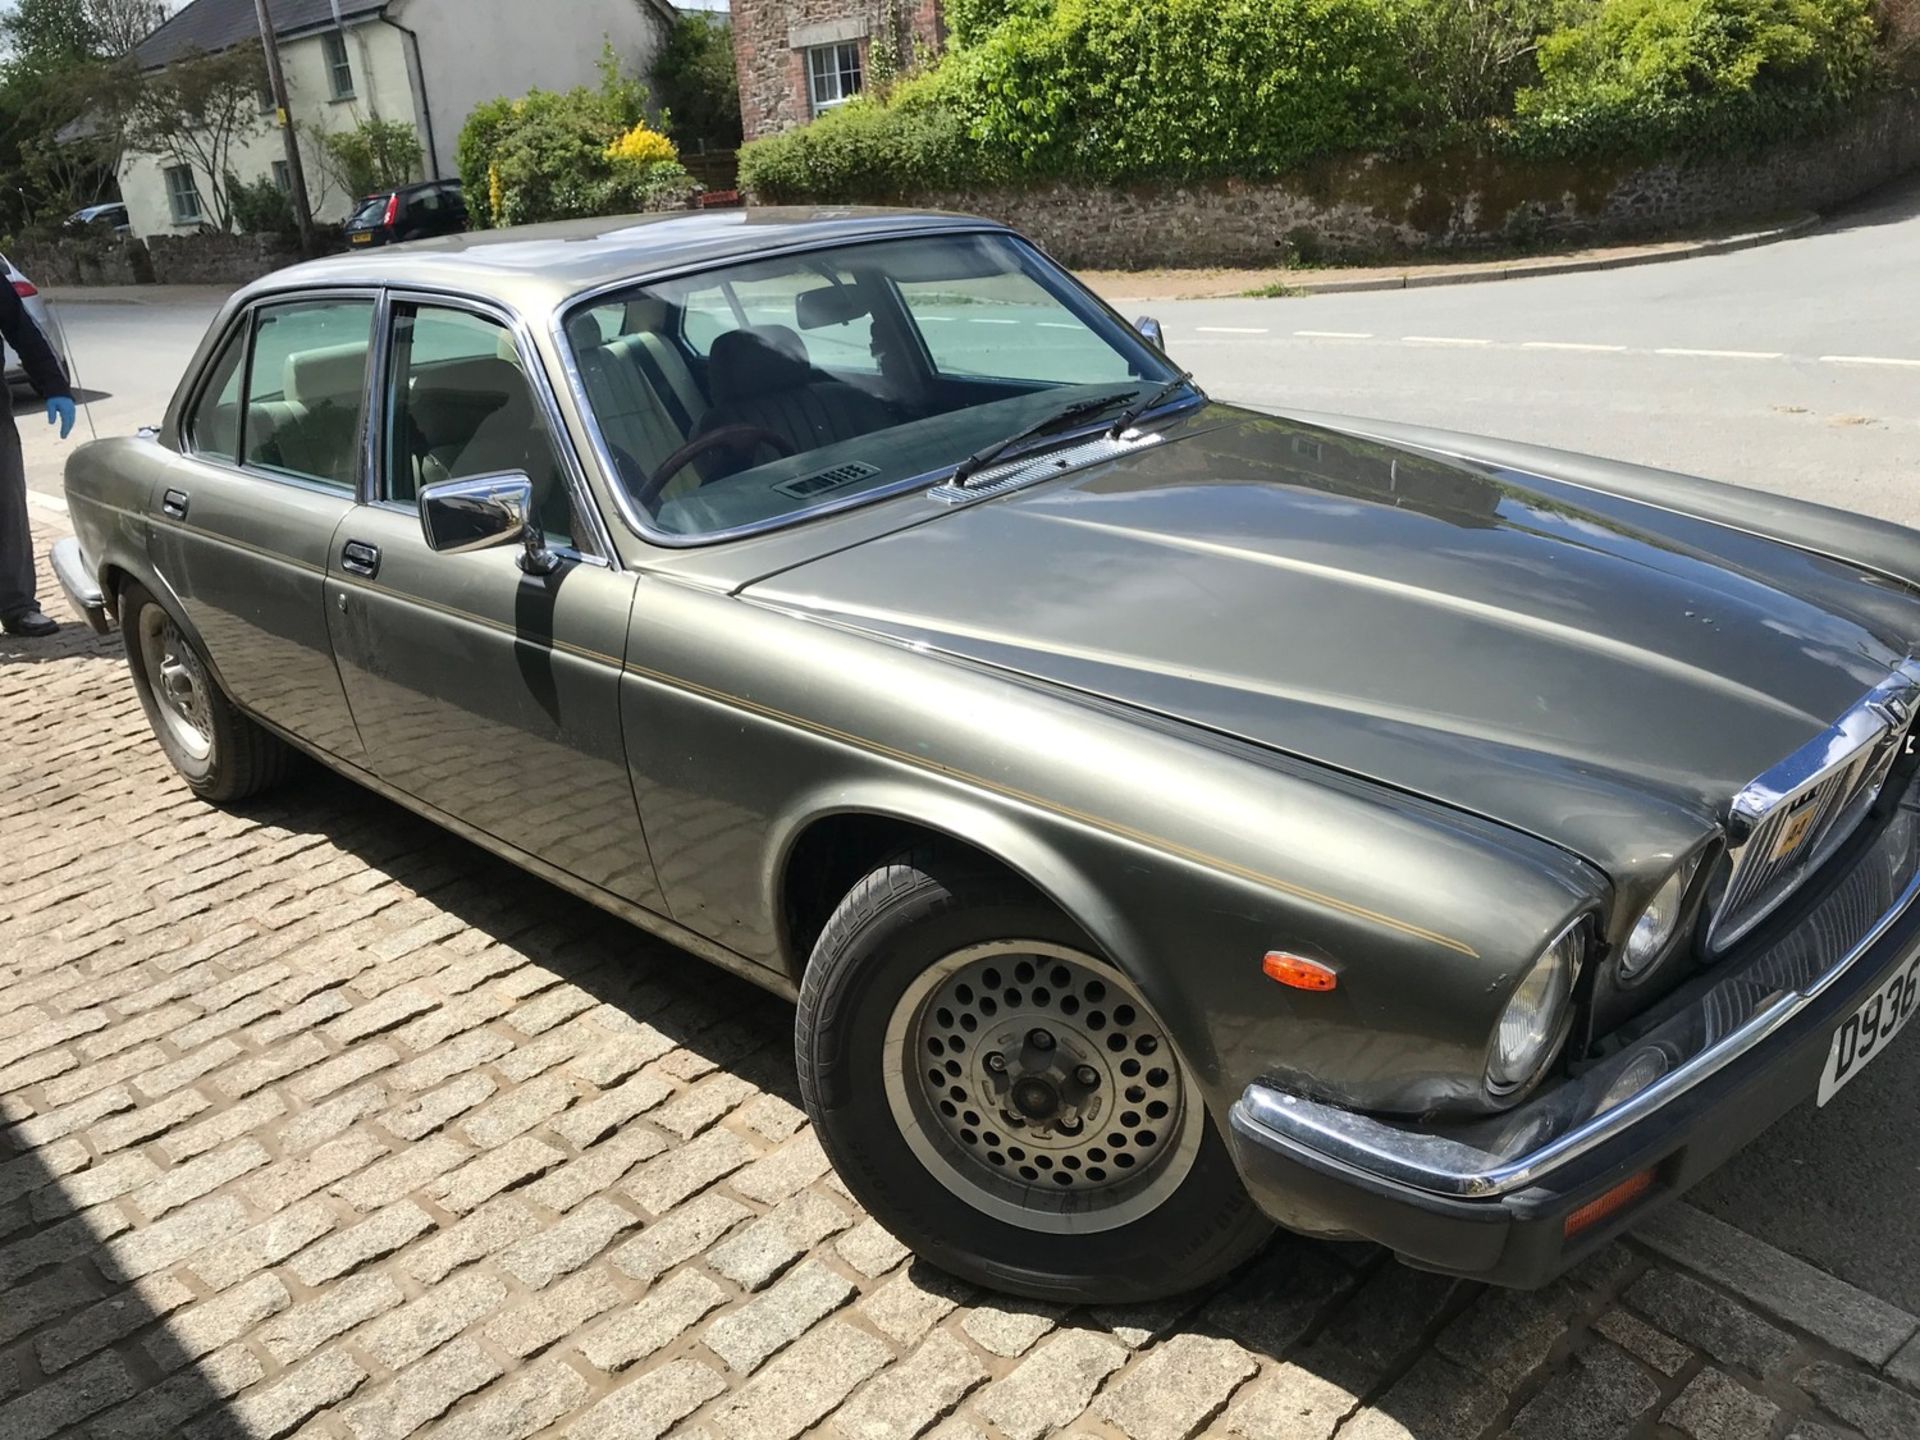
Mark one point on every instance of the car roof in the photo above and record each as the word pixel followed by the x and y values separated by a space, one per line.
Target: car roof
pixel 543 266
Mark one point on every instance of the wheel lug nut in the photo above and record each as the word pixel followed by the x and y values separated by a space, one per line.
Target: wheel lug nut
pixel 1040 1039
pixel 996 1062
pixel 1087 1076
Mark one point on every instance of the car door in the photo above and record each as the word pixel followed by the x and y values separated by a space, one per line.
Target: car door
pixel 243 524
pixel 489 693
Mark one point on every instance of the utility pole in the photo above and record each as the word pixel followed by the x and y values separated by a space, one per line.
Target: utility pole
pixel 283 116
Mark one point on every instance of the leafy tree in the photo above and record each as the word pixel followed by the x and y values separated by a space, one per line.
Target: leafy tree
pixel 196 112
pixel 696 81
pixel 47 36
pixel 119 25
pixel 374 155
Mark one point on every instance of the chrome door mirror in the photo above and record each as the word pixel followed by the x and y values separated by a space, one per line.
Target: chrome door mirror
pixel 1151 332
pixel 482 511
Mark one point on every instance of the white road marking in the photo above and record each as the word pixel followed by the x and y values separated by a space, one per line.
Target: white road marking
pixel 1721 354
pixel 54 504
pixel 937 319
pixel 1060 325
pixel 1568 345
pixel 1865 360
pixel 1440 340
pixel 982 320
pixel 1231 330
pixel 1336 334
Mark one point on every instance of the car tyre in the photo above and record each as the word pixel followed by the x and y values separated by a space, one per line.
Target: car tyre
pixel 926 927
pixel 222 754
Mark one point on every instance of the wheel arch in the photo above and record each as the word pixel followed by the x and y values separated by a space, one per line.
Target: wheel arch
pixel 833 838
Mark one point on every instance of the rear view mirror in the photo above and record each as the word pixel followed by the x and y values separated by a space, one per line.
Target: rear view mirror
pixel 1151 332
pixel 829 305
pixel 478 513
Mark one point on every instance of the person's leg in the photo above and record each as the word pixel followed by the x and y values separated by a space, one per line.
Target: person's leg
pixel 17 599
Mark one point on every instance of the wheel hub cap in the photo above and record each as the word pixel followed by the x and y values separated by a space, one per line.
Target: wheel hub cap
pixel 1040 1088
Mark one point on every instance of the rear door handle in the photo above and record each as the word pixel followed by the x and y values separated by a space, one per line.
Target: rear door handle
pixel 360 558
pixel 174 503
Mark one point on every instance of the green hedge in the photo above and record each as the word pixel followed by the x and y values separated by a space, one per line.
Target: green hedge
pixel 1117 91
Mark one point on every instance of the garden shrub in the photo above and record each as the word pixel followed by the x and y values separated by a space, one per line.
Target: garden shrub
pixel 553 155
pixel 1648 76
pixel 260 207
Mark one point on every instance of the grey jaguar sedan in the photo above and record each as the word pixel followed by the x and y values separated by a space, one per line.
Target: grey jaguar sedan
pixel 1171 820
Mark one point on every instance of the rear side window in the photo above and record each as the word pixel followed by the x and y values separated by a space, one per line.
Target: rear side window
pixel 213 429
pixel 305 384
pixel 370 211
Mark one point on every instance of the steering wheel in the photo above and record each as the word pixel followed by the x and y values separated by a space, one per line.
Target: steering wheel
pixel 742 439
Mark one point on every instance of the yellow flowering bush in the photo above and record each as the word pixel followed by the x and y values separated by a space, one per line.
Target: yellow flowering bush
pixel 642 146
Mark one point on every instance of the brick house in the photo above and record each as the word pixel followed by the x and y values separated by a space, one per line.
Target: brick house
pixel 797 58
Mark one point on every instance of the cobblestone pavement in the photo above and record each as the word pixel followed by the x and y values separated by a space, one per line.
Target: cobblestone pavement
pixel 319 1121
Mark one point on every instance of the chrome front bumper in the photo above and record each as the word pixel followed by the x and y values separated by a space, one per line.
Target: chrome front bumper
pixel 1713 1065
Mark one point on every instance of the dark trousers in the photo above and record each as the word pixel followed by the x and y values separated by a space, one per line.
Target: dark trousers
pixel 16 540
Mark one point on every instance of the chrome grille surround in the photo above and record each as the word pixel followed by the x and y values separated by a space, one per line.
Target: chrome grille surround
pixel 1786 822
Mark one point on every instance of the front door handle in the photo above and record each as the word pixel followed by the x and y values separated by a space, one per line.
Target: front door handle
pixel 174 503
pixel 360 558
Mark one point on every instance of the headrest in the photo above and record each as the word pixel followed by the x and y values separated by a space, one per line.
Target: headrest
pixel 646 312
pixel 335 373
pixel 482 375
pixel 759 360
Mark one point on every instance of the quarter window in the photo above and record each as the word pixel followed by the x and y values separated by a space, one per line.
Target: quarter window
pixel 304 388
pixel 183 195
pixel 459 404
pixel 339 65
pixel 214 428
pixel 833 75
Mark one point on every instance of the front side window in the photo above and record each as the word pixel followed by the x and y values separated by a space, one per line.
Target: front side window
pixel 183 195
pixel 769 390
pixel 339 66
pixel 833 75
pixel 304 387
pixel 459 405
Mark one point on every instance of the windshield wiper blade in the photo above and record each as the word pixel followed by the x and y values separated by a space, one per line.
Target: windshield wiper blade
pixel 1126 418
pixel 1077 410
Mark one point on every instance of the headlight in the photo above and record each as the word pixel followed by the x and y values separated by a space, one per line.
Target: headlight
pixel 1536 1014
pixel 1653 931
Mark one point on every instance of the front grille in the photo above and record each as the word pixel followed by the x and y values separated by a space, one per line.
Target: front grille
pixel 1792 818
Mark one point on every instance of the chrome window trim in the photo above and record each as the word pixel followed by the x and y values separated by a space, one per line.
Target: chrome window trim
pixel 545 397
pixel 636 519
pixel 244 314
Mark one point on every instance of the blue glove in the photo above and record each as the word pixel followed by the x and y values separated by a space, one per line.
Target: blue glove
pixel 60 411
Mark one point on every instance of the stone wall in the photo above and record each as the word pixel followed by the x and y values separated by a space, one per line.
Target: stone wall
pixel 213 259
pixel 1376 208
pixel 771 37
pixel 89 260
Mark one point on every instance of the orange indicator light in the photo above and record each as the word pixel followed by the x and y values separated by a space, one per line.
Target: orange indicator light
pixel 1298 971
pixel 1610 1204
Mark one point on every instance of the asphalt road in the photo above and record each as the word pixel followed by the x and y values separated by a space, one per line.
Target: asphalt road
pixel 1793 368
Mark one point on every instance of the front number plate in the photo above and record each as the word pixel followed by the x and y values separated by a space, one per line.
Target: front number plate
pixel 1866 1032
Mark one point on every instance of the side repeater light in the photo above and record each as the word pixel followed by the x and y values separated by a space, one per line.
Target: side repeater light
pixel 1298 971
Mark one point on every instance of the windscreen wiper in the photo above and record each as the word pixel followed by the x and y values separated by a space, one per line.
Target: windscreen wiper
pixel 1125 420
pixel 1076 410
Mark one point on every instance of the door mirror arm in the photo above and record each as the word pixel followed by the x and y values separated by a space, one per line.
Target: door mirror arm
pixel 484 511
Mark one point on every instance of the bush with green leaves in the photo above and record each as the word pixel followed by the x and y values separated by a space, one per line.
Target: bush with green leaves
pixel 1117 91
pixel 260 207
pixel 697 82
pixel 374 155
pixel 559 155
pixel 1652 76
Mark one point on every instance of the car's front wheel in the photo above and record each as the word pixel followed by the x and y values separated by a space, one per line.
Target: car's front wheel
pixel 222 754
pixel 1002 1098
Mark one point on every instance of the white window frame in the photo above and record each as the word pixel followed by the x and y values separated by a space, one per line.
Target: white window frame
pixel 339 64
pixel 283 176
pixel 829 67
pixel 177 193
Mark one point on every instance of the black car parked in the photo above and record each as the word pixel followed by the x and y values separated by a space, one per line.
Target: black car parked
pixel 410 212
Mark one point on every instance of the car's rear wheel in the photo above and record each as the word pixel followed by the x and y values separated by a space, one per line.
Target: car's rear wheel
pixel 1002 1098
pixel 222 754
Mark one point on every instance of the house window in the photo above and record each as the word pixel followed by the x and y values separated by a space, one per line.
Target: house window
pixel 183 195
pixel 339 67
pixel 833 75
pixel 283 177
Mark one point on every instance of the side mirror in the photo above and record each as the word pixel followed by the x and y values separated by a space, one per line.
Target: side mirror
pixel 1151 332
pixel 478 513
